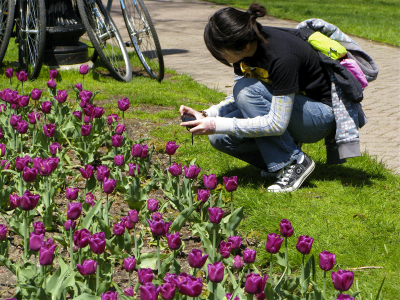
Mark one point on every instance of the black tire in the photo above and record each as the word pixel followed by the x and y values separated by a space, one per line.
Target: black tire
pixel 32 36
pixel 7 9
pixel 105 39
pixel 144 37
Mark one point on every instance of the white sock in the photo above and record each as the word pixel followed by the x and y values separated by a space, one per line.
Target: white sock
pixel 300 158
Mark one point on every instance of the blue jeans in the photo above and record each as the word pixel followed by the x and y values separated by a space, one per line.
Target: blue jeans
pixel 310 122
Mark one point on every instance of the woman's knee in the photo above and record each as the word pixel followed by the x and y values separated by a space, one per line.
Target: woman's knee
pixel 248 88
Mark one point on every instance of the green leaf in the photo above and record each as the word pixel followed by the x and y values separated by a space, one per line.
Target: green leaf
pixel 183 216
pixel 127 241
pixel 380 288
pixel 207 245
pixel 236 218
pixel 89 217
pixel 280 257
pixel 114 249
pixel 149 260
pixel 87 297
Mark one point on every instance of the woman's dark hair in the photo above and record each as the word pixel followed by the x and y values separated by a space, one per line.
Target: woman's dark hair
pixel 233 29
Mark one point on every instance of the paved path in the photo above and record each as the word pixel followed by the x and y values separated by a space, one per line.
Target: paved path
pixel 180 26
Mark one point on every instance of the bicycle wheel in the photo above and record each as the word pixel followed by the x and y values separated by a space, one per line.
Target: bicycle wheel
pixel 105 38
pixel 7 9
pixel 144 37
pixel 31 36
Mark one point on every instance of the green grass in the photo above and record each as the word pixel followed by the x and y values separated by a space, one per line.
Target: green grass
pixel 370 19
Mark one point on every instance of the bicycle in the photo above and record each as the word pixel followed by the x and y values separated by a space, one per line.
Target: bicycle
pixel 143 36
pixel 105 38
pixel 7 9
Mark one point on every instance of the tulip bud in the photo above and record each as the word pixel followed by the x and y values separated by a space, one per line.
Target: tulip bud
pixel 54 148
pixel 23 101
pixel 88 267
pixel 22 76
pixel 145 151
pixel 72 193
pixel 87 172
pixel 77 114
pixel 236 242
pixel 191 172
pixel 167 291
pixel 35 94
pixel 74 210
pixel 342 280
pixel 171 148
pixel 81 238
pixel 286 228
pixel 109 296
pixel 112 118
pixel 102 172
pixel 159 227
pixel 273 244
pixel 326 260
pixel 15 200
pixel 229 296
pixel 137 150
pixel 189 285
pixel 97 242
pixel 215 215
pixel 216 272
pixel 98 112
pixel 49 129
pixel 46 255
pixel 86 129
pixel 61 96
pixel 133 216
pixel 249 255
pixel 196 260
pixel 175 169
pixel 85 97
pixel 253 283
pixel 119 229
pixel 36 241
pixel 88 109
pixel 9 72
pixel 133 169
pixel 78 86
pixel 67 225
pixel 38 228
pixel 174 240
pixel 129 292
pixel 3 232
pixel 304 244
pixel 225 249
pixel 153 205
pixel 116 140
pixel 29 201
pixel 109 185
pixel 119 160
pixel 145 276
pixel 123 104
pixel 210 181
pixel 230 183
pixel 22 127
pixel 238 262
pixel 53 73
pixel 84 69
pixel 89 199
pixel 29 174
pixel 203 195
pixel 129 264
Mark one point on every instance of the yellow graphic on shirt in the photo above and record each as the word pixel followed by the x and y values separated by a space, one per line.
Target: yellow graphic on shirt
pixel 251 72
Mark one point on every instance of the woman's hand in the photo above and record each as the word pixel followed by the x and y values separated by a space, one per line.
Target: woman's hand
pixel 204 126
pixel 187 110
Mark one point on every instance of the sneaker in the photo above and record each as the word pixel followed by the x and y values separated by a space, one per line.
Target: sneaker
pixel 292 176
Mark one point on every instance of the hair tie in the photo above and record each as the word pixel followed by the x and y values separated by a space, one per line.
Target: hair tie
pixel 251 13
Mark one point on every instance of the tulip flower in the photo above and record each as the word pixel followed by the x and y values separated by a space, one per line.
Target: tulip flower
pixel 123 104
pixel 97 242
pixel 77 114
pixel 23 101
pixel 46 255
pixel 14 119
pixel 61 96
pixel 74 210
pixel 129 264
pixel 137 150
pixel 342 280
pixel 116 140
pixel 119 229
pixel 89 199
pixel 133 169
pixel 174 240
pixel 72 193
pixel 86 129
pixel 49 129
pixel 88 267
pixel 149 292
pixel 203 195
pixel 83 69
pixel 81 238
pixel 127 223
pixel 2 150
pixel 3 232
pixel 38 228
pixel 159 227
pixel 22 162
pixel 189 285
pixel 225 249
pixel 54 148
pixel 21 76
pixel 238 263
pixel 215 215
pixel 35 94
pixel 326 260
pixel 133 216
pixel 102 172
pixel 253 283
pixel 85 97
pixel 216 272
pixel 112 118
pixel 22 127
pixel 88 109
pixel 171 148
pixel 153 205
pixel 229 296
pixel 344 297
pixel 167 291
pixel 29 201
pixel 304 244
pixel 236 242
pixel 29 174
pixel 286 228
pixel 67 225
pixel 45 166
pixel 15 200
pixel 87 172
pixel 249 256
pixel 129 292
pixel 261 296
pixel 9 72
pixel 230 183
pixel 3 107
pixel 119 160
pixel 87 119
pixel 36 241
pixel 273 244
pixel 145 151
pixel 192 171
pixel 78 86
pixel 51 83
pixel 175 169
pixel 210 181
pixel 196 260
pixel 5 164
pixel 171 279
pixel 53 73
pixel 145 276
pixel 109 185
pixel 109 296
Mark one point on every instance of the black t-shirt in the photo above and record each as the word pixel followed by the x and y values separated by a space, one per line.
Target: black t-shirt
pixel 290 64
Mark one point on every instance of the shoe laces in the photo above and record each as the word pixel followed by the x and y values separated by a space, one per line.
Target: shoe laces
pixel 284 174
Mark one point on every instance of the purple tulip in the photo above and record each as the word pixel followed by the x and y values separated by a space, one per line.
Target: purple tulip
pixel 225 249
pixel 273 244
pixel 249 256
pixel 133 169
pixel 88 267
pixel 203 195
pixel 86 129
pixel 67 225
pixel 261 296
pixel 129 292
pixel 3 107
pixel 46 255
pixel 304 244
pixel 72 193
pixel 81 238
pixel 145 276
pixel 236 242
pixel 22 76
pixel 84 69
pixel 88 109
pixel 97 242
pixel 14 119
pixel 153 205
pixel 123 104
pixel 109 185
pixel 253 283
pixel 36 241
pixel 192 171
pixel 22 162
pixel 216 272
pixel 210 181
pixel 149 292
pixel 87 119
pixel 342 280
pixel 116 140
pixel 38 228
pixel 29 174
pixel 215 215
pixel 87 172
pixel 159 227
pixel 45 166
pixel 326 260
pixel 8 95
pixel 174 240
pixel 5 164
pixel 119 160
pixel 129 264
pixel 109 296
pixel 167 291
pixel 89 199
pixel 344 297
pixel 85 97
pixel 53 73
pixel 175 169
pixel 9 72
pixel 145 151
pixel 49 129
pixel 98 112
pixel 2 150
pixel 22 127
pixel 137 150
pixel 230 183
pixel 119 229
pixel 54 148
pixel 171 148
pixel 29 201
pixel 78 86
pixel 238 263
pixel 1 134
pixel 77 114
pixel 61 96
pixel 3 232
pixel 35 94
pixel 133 216
pixel 15 200
pixel 286 228
pixel 196 260
pixel 189 285
pixel 171 279
pixel 51 83
pixel 102 172
pixel 23 101
pixel 112 118
pixel 74 210
pixel 229 296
